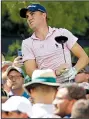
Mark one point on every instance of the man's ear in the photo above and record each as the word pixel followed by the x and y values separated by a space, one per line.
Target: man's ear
pixel 71 103
pixel 44 14
pixel 32 92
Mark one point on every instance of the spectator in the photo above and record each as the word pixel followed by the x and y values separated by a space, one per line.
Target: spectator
pixel 65 98
pixel 42 51
pixel 81 109
pixel 18 62
pixel 85 85
pixel 42 89
pixel 4 87
pixel 15 80
pixel 83 75
pixel 5 65
pixel 16 107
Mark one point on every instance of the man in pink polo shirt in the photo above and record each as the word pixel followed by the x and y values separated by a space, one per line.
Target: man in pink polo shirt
pixel 42 51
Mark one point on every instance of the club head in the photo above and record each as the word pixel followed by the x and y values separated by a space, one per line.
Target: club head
pixel 61 39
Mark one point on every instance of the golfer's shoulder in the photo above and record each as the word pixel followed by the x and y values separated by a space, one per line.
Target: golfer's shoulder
pixel 63 30
pixel 27 41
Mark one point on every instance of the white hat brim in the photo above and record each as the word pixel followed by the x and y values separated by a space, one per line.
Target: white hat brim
pixel 10 68
pixel 45 83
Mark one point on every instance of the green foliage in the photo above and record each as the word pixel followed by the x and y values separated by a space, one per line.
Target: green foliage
pixel 14 47
pixel 9 58
pixel 12 50
pixel 68 14
pixel 74 59
pixel 87 50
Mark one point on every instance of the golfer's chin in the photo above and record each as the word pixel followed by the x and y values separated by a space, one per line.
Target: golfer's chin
pixel 32 26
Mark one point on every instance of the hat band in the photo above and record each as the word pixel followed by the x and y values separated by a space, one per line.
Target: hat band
pixel 46 79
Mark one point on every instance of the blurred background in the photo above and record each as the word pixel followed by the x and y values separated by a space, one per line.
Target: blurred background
pixel 72 15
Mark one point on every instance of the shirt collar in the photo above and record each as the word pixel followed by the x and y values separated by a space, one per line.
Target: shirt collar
pixel 51 30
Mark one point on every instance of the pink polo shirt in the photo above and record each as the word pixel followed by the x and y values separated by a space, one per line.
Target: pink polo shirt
pixel 48 53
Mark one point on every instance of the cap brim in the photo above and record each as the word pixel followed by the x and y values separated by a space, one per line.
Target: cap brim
pixel 23 12
pixel 28 85
pixel 12 68
pixel 6 107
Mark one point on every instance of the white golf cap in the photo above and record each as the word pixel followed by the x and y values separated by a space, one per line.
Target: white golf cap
pixel 15 68
pixel 18 103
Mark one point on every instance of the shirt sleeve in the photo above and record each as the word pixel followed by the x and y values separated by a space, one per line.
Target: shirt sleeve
pixel 27 51
pixel 71 38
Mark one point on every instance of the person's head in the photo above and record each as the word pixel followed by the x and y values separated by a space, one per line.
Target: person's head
pixel 41 92
pixel 13 114
pixel 83 75
pixel 35 14
pixel 85 85
pixel 80 109
pixel 16 76
pixel 16 107
pixel 43 86
pixel 66 96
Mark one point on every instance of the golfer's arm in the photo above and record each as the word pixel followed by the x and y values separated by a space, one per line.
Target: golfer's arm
pixel 30 66
pixel 83 59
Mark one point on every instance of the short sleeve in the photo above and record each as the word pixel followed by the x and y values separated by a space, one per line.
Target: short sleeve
pixel 71 38
pixel 27 51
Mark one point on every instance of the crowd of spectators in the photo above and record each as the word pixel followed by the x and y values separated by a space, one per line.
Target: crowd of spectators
pixel 42 96
pixel 56 89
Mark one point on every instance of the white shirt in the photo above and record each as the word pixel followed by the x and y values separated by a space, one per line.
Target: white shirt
pixel 42 110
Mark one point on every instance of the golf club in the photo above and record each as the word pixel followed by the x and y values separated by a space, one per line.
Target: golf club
pixel 61 40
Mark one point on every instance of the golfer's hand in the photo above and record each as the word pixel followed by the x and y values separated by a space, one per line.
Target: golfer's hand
pixel 61 69
pixel 18 61
pixel 69 74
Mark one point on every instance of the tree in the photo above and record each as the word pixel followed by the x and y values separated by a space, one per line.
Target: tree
pixel 72 15
pixel 12 50
pixel 69 14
